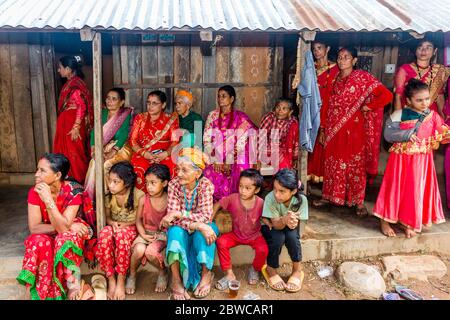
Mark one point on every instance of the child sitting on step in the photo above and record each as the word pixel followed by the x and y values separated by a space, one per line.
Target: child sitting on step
pixel 245 208
pixel 151 241
pixel 283 209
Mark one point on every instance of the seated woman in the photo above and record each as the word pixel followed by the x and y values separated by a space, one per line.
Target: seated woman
pixel 192 234
pixel 116 119
pixel 189 120
pixel 226 138
pixel 151 137
pixel 54 250
pixel 282 120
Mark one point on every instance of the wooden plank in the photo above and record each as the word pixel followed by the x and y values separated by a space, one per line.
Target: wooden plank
pixel 149 63
pixel 135 71
pixel 196 77
pixel 8 147
pixel 236 68
pixel 49 74
pixel 40 124
pixel 98 130
pixel 22 103
pixel 209 75
pixel 124 58
pixel 386 78
pixel 181 64
pixel 201 85
pixel 223 64
pixel 117 66
pixel 165 71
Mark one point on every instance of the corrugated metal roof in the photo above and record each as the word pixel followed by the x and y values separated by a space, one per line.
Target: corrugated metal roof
pixel 280 15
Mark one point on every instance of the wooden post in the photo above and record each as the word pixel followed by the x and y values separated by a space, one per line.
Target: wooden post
pixel 304 44
pixel 98 130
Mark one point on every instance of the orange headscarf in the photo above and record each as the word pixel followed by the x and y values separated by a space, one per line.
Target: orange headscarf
pixel 185 93
pixel 196 156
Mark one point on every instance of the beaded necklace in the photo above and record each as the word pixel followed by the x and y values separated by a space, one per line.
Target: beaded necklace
pixel 419 74
pixel 189 204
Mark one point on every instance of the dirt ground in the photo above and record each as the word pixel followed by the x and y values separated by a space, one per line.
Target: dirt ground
pixel 314 288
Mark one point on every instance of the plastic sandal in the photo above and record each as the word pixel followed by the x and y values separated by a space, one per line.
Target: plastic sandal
pixel 272 281
pixel 99 285
pixel 391 296
pixel 222 284
pixel 208 285
pixel 408 294
pixel 252 276
pixel 296 282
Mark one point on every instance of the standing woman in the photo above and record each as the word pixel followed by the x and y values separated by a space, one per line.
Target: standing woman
pixel 151 137
pixel 75 118
pixel 433 74
pixel 116 120
pixel 353 133
pixel 326 73
pixel 226 137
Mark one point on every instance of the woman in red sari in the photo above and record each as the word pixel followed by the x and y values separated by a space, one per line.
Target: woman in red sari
pixel 54 250
pixel 326 73
pixel 353 133
pixel 433 74
pixel 153 137
pixel 75 118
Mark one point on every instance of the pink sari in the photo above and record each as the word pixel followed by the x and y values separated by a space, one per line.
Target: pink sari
pixel 225 146
pixel 447 149
pixel 409 193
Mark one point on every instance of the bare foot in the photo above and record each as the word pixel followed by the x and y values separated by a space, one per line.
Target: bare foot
pixel 361 210
pixel 111 287
pixel 386 229
pixel 409 233
pixel 130 286
pixel 273 272
pixel 161 282
pixel 229 274
pixel 119 294
pixel 73 293
pixel 27 295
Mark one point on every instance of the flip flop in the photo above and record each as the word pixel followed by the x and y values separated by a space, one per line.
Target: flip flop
pixel 320 203
pixel 99 285
pixel 252 276
pixel 179 294
pixel 408 294
pixel 86 292
pixel 208 285
pixel 391 296
pixel 296 282
pixel 272 281
pixel 222 284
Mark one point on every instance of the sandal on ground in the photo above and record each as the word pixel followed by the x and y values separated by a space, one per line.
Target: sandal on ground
pixel 320 203
pixel 99 285
pixel 205 286
pixel 252 276
pixel 297 282
pixel 130 284
pixel 272 281
pixel 361 212
pixel 408 294
pixel 86 292
pixel 391 296
pixel 222 284
pixel 182 295
pixel 162 281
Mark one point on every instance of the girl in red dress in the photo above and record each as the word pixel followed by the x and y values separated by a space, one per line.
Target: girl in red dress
pixel 409 194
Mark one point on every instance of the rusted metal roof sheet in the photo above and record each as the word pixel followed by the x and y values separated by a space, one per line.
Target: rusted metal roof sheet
pixel 255 15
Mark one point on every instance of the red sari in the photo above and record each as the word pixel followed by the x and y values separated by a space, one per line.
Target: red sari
pixel 409 193
pixel 152 136
pixel 315 159
pixel 74 105
pixel 352 138
pixel 50 261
